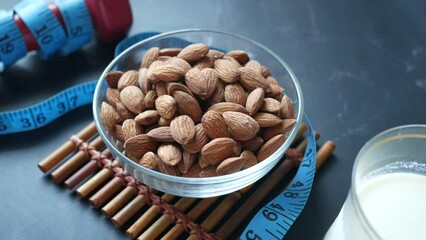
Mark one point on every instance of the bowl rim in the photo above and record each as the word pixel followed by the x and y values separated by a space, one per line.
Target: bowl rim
pixel 202 180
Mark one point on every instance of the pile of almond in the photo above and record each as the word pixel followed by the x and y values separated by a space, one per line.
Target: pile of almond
pixel 197 112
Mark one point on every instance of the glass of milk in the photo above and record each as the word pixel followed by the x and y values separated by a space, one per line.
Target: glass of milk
pixel 387 199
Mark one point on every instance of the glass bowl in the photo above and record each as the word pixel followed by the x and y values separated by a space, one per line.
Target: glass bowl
pixel 208 186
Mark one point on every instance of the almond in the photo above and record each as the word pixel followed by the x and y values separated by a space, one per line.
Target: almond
pixel 129 78
pixel 169 154
pixel 267 119
pixel 255 100
pixel 235 93
pixel 270 105
pixel 237 150
pixel 233 61
pixel 270 147
pixel 239 55
pixel 188 159
pixel 275 91
pixel 214 125
pixel 166 106
pixel 194 52
pixel 253 144
pixel 113 96
pixel 130 129
pixel 169 51
pixel 188 105
pixel 212 81
pixel 272 81
pixel 251 80
pixel 227 106
pixel 179 62
pixel 172 87
pixel 163 58
pixel 215 54
pixel 285 126
pixel 196 82
pixel 118 134
pixel 149 57
pixel 226 70
pixel 155 65
pixel 218 150
pixel 124 112
pixel 138 145
pixel 250 159
pixel 133 99
pixel 200 139
pixel 241 126
pixel 151 127
pixel 166 73
pixel 112 78
pixel 169 170
pixel 161 88
pixel 218 94
pixel 265 72
pixel 149 160
pixel 230 165
pixel 147 117
pixel 194 171
pixel 150 98
pixel 162 122
pixel 109 116
pixel 205 62
pixel 161 134
pixel 287 108
pixel 144 83
pixel 255 66
pixel 182 129
pixel 209 171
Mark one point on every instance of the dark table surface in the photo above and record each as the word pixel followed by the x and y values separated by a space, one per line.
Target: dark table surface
pixel 361 65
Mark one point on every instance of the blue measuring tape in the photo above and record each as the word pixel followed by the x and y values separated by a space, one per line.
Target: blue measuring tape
pixel 12 44
pixel 271 222
pixel 46 29
pixel 78 24
pixel 44 26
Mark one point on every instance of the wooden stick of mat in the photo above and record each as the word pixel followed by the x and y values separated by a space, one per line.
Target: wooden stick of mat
pixel 91 184
pixel 119 201
pixel 107 192
pixel 194 214
pixel 76 161
pixel 165 220
pixel 85 171
pixel 147 217
pixel 129 210
pixel 60 153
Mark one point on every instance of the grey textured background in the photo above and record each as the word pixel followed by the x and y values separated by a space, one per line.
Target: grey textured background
pixel 360 64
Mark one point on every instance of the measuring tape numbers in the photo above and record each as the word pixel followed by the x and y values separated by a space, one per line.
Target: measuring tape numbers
pixel 45 112
pixel 78 24
pixel 12 44
pixel 44 26
pixel 275 218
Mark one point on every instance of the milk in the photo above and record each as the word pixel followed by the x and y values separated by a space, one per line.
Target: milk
pixel 394 205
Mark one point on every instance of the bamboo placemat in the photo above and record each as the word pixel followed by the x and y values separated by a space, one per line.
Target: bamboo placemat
pixel 83 165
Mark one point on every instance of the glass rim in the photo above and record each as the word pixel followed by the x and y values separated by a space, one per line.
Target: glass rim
pixel 203 180
pixel 354 182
